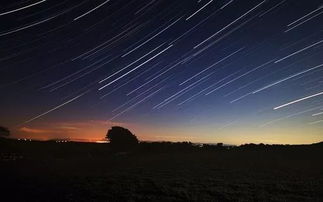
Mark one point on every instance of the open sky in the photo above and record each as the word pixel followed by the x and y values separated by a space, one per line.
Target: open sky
pixel 231 71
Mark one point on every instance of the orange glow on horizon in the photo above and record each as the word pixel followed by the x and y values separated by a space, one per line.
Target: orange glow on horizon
pixel 95 131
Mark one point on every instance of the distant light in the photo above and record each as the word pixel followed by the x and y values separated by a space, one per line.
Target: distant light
pixel 101 141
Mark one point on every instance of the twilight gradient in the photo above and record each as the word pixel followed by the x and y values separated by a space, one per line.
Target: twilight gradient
pixel 227 71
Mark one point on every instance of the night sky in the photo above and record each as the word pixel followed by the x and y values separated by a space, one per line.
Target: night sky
pixel 232 71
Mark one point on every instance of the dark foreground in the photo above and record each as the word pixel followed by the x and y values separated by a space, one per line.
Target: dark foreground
pixel 45 171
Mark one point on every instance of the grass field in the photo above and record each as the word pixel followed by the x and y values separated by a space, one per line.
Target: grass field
pixel 48 171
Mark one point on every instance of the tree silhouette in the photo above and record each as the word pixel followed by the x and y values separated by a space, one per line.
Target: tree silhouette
pixel 121 138
pixel 4 131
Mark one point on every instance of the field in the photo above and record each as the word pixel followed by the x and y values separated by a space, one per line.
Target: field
pixel 49 171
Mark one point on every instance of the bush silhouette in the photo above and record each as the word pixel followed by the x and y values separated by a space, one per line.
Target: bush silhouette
pixel 121 139
pixel 4 131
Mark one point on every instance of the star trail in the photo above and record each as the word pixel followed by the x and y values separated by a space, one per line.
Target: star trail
pixel 205 71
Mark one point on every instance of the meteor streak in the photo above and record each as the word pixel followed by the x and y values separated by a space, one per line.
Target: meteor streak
pixel 285 79
pixel 151 37
pixel 181 92
pixel 137 103
pixel 39 22
pixel 289 116
pixel 298 100
pixel 26 27
pixel 248 72
pixel 319 8
pixel 264 13
pixel 316 122
pixel 135 68
pixel 296 52
pixel 155 77
pixel 209 67
pixel 198 10
pixel 225 5
pixel 295 26
pixel 131 63
pixel 134 78
pixel 134 98
pixel 317 114
pixel 55 108
pixel 205 89
pixel 213 35
pixel 90 11
pixel 19 9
